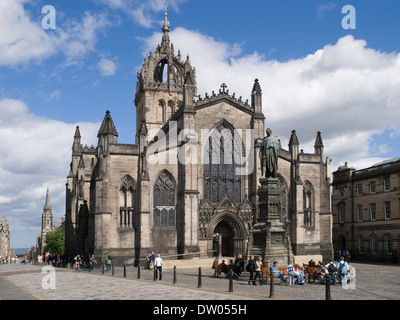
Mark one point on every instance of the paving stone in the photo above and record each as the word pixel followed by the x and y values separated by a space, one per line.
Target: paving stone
pixel 374 282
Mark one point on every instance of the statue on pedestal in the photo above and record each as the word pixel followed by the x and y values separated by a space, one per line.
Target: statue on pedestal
pixel 269 153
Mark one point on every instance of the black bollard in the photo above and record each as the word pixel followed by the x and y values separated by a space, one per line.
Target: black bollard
pixel 155 273
pixel 231 280
pixel 199 282
pixel 271 287
pixel 112 268
pixel 327 287
pixel 138 271
pixel 124 270
pixel 174 279
pixel 102 268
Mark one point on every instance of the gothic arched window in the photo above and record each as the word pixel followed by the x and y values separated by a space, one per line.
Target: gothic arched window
pixel 164 201
pixel 222 173
pixel 388 243
pixel 170 109
pixel 126 201
pixel 308 204
pixel 283 196
pixel 160 111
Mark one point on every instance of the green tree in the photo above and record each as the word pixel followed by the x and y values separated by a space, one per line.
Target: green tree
pixel 55 241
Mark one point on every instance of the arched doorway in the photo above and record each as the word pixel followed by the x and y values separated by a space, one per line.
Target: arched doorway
pixel 226 237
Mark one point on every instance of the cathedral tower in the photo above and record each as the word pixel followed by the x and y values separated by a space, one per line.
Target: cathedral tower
pixel 159 90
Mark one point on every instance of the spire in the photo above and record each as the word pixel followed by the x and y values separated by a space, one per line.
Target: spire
pixel 77 133
pixel 318 140
pixel 108 127
pixel 165 29
pixel 293 139
pixel 256 87
pixel 319 145
pixel 76 147
pixel 256 97
pixel 47 204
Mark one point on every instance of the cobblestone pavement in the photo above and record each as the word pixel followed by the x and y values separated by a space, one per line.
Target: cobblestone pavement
pixel 374 282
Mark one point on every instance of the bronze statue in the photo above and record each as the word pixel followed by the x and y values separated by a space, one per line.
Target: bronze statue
pixel 269 153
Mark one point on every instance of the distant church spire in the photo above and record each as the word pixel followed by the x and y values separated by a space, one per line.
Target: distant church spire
pixel 47 204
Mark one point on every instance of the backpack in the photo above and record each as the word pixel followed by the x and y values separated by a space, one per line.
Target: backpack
pixel 250 266
pixel 343 267
pixel 331 267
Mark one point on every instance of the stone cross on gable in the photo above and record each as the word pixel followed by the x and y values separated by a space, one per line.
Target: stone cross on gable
pixel 224 86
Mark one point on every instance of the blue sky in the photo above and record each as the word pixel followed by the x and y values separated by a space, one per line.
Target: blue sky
pixel 314 74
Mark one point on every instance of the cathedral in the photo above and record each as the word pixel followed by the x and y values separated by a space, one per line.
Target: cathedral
pixel 189 182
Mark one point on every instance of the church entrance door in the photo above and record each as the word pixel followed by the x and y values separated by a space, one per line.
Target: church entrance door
pixel 226 236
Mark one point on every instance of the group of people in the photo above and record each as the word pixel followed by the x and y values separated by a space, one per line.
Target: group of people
pixel 254 267
pixel 8 259
pixel 294 275
pixel 155 263
pixel 342 253
pixel 56 260
pixel 339 271
pixel 81 261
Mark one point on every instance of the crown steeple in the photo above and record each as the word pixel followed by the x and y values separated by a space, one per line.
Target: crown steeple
pixel 161 81
pixel 165 28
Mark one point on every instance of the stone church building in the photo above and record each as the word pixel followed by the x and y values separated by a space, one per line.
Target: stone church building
pixel 192 174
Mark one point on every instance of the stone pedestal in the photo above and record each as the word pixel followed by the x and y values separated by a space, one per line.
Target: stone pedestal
pixel 270 234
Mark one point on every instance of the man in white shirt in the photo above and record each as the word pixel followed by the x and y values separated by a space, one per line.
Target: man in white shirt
pixel 158 265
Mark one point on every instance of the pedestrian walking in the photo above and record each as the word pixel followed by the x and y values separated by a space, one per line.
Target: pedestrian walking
pixel 251 268
pixel 158 262
pixel 77 262
pixel 331 268
pixel 92 262
pixel 108 263
pixel 215 267
pixel 148 261
pixel 258 266
pixel 342 268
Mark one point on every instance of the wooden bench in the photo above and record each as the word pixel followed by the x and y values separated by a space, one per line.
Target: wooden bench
pixel 310 272
pixel 265 274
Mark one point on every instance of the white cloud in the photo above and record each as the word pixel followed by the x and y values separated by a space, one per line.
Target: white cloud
pixel 36 153
pixel 23 40
pixel 52 96
pixel 346 90
pixel 114 4
pixel 107 67
pixel 324 8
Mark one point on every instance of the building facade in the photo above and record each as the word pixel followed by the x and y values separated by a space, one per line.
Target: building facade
pixel 192 173
pixel 366 211
pixel 5 251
